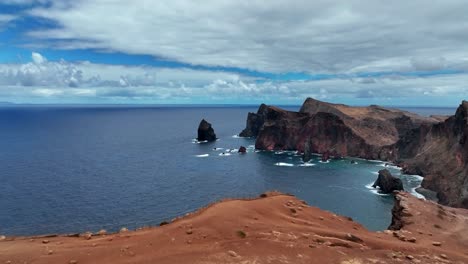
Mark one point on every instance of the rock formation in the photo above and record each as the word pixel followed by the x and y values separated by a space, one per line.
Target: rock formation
pixel 242 149
pixel 206 132
pixel 366 132
pixel 439 152
pixel 307 155
pixel 435 147
pixel 387 183
pixel 325 156
pixel 254 122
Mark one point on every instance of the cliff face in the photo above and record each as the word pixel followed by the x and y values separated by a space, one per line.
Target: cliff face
pixel 440 154
pixel 367 132
pixel 434 147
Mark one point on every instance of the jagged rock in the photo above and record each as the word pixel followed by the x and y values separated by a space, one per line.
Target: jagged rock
pixel 242 149
pixel 325 156
pixel 206 132
pixel 307 155
pixel 387 182
pixel 445 166
pixel 254 122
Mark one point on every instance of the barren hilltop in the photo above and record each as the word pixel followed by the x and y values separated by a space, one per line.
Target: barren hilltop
pixel 275 228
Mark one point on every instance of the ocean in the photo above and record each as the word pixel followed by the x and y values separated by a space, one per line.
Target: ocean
pixel 70 169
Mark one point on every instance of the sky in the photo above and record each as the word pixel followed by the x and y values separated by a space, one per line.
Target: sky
pixel 358 52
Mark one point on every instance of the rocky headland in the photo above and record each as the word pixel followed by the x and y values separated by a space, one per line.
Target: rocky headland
pixel 275 228
pixel 434 147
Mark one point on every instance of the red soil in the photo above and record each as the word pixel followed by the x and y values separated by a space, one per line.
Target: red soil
pixel 275 229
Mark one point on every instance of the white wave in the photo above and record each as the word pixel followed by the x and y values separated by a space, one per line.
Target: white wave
pixel 284 164
pixel 216 149
pixel 224 154
pixel 416 194
pixel 279 152
pixel 375 190
pixel 391 166
pixel 195 141
pixel 327 161
pixel 375 172
pixel 202 155
pixel 414 177
pixel 307 164
pixel 236 136
pixel 375 161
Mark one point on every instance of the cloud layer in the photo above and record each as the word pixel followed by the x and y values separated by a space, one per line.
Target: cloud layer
pixel 270 36
pixel 361 52
pixel 61 81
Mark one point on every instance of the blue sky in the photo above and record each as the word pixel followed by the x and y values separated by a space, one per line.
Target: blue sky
pixel 233 52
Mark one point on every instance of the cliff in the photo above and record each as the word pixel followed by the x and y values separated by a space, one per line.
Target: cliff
pixel 440 154
pixel 276 228
pixel 366 132
pixel 434 147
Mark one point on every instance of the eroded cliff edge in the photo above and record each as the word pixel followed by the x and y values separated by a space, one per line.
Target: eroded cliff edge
pixel 434 147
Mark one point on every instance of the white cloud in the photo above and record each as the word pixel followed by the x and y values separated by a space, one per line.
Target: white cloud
pixel 273 36
pixel 62 81
pixel 38 58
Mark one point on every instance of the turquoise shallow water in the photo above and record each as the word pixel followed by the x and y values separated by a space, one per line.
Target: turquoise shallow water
pixel 76 169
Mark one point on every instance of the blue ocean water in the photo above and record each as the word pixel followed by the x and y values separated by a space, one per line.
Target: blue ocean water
pixel 75 169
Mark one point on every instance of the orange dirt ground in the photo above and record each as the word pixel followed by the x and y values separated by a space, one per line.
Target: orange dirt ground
pixel 276 229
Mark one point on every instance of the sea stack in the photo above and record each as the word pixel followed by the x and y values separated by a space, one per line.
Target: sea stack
pixel 206 132
pixel 307 156
pixel 387 182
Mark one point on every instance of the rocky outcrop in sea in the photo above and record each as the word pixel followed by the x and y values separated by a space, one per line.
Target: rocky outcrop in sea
pixel 206 131
pixel 387 182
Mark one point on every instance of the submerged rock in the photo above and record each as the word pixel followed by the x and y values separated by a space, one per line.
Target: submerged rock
pixel 387 182
pixel 206 132
pixel 242 149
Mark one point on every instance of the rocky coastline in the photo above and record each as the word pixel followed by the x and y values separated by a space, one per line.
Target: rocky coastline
pixel 433 147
